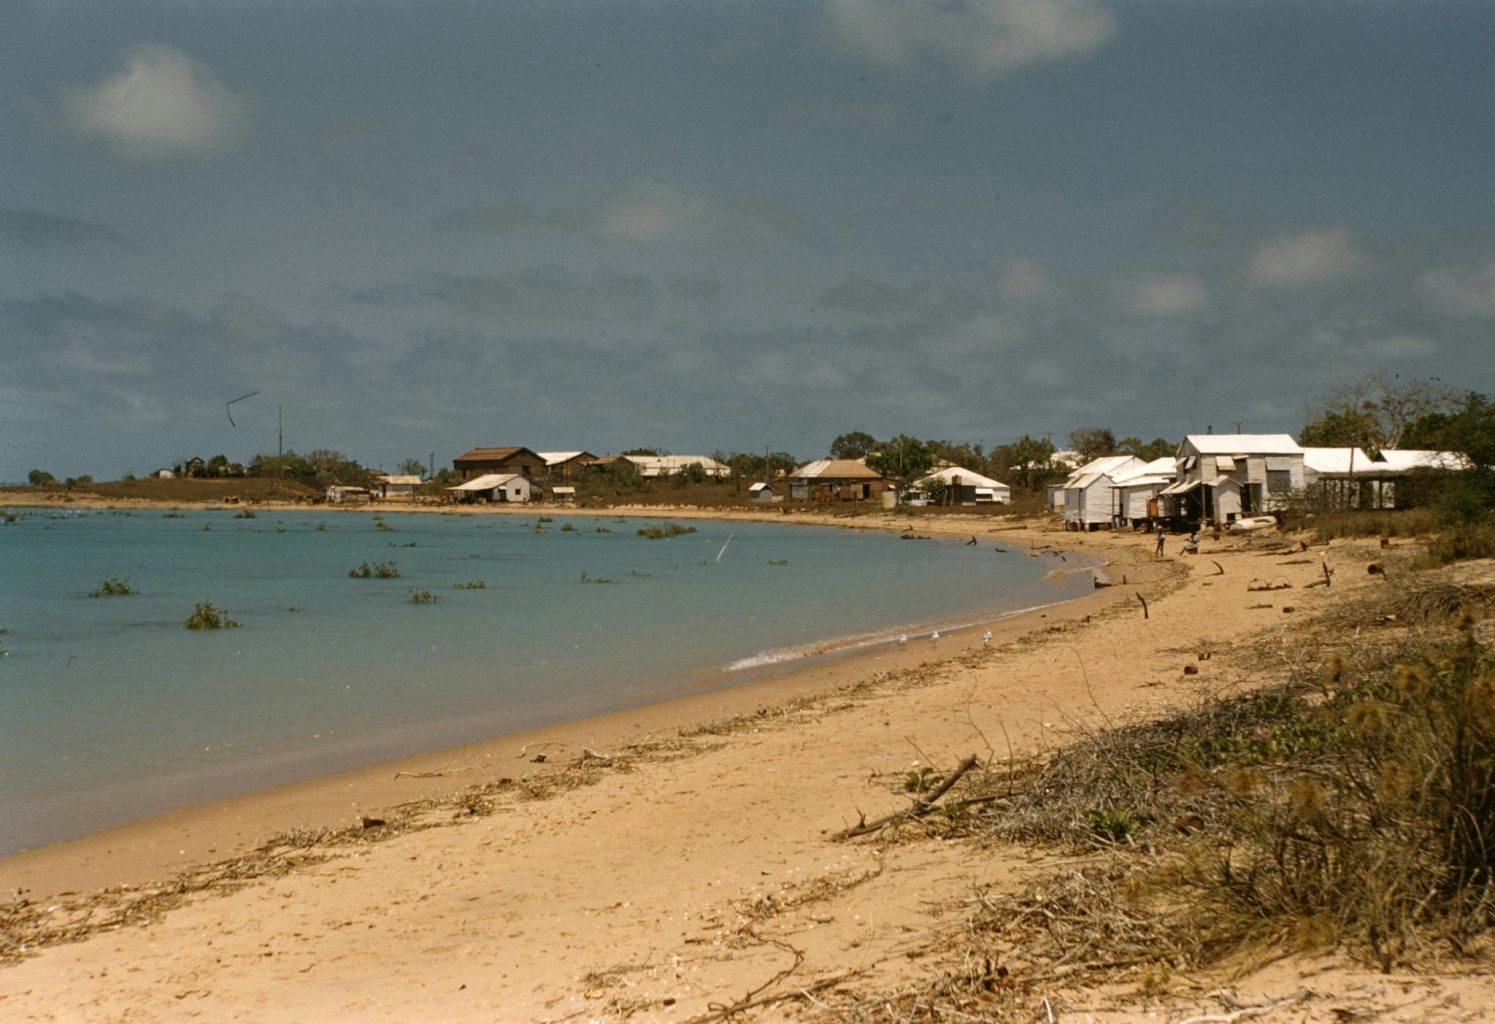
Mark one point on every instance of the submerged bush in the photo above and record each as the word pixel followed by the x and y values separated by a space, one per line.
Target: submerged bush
pixel 114 586
pixel 422 597
pixel 379 571
pixel 667 530
pixel 207 616
pixel 471 585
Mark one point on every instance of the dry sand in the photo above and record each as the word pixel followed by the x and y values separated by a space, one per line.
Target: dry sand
pixel 696 871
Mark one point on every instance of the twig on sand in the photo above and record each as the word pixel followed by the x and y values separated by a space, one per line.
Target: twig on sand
pixel 1145 613
pixel 1245 1012
pixel 920 808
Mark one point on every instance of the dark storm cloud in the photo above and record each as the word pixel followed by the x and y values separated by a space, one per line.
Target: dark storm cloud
pixel 429 226
pixel 548 292
pixel 34 229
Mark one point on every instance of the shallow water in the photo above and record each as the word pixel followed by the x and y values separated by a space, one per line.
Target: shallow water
pixel 110 710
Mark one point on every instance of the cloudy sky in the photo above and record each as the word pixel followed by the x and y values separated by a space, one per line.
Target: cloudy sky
pixel 420 227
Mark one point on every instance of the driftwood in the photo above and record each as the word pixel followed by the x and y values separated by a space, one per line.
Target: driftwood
pixel 1258 585
pixel 1145 613
pixel 1220 569
pixel 921 807
pixel 1328 579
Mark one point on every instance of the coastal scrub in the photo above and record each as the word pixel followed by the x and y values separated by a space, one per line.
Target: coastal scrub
pixel 208 616
pixel 114 586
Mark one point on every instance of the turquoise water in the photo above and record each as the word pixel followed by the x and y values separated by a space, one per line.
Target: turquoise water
pixel 110 710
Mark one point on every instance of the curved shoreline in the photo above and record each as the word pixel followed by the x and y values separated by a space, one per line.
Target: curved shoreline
pixel 165 843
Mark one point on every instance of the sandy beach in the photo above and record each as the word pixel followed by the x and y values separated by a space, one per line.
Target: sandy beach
pixel 663 863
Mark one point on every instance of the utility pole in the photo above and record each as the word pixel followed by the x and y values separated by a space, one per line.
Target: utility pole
pixel 280 437
pixel 432 471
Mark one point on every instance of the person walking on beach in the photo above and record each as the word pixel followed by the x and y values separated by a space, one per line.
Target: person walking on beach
pixel 1159 552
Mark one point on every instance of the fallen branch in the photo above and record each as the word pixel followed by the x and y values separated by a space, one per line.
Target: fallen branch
pixel 920 808
pixel 1145 613
pixel 1219 567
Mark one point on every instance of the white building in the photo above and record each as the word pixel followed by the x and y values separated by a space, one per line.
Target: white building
pixel 1222 477
pixel 338 494
pixel 1352 478
pixel 1087 492
pixel 966 487
pixel 762 494
pixel 392 486
pixel 668 465
pixel 1134 492
pixel 494 487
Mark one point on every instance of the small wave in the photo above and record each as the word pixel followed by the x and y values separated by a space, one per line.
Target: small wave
pixel 845 645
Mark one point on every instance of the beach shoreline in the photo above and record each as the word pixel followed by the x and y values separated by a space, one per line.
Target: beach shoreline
pixel 162 844
pixel 654 864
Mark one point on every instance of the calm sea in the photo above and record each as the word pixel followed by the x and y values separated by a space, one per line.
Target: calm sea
pixel 110 710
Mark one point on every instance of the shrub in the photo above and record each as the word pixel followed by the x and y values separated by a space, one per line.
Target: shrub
pixel 668 530
pixel 114 586
pixel 472 585
pixel 207 616
pixel 378 570
pixel 1465 540
pixel 422 597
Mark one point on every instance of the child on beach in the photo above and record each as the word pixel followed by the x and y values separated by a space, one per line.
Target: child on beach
pixel 1159 552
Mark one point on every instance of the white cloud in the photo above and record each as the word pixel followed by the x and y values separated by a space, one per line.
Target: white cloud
pixel 650 211
pixel 1306 258
pixel 1025 282
pixel 981 39
pixel 1456 291
pixel 1173 295
pixel 162 104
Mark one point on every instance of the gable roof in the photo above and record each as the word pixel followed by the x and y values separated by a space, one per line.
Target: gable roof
pixel 556 458
pixel 486 482
pixel 967 478
pixel 494 454
pixel 1243 444
pixel 1103 466
pixel 836 469
pixel 1337 461
pixel 1158 471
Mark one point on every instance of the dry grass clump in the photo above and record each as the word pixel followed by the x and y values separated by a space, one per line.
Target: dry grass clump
pixel 1411 522
pixel 1356 811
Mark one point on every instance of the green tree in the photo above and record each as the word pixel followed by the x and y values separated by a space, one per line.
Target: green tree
pixel 853 445
pixel 1025 462
pixel 1374 412
pixel 901 458
pixel 40 478
pixel 413 467
pixel 1157 448
pixel 1467 428
pixel 1092 442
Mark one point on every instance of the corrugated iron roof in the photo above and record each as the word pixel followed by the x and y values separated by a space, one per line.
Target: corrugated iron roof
pixel 836 469
pixel 490 454
pixel 967 477
pixel 1244 444
pixel 486 482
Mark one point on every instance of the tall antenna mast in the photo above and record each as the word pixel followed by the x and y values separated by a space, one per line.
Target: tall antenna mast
pixel 280 438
